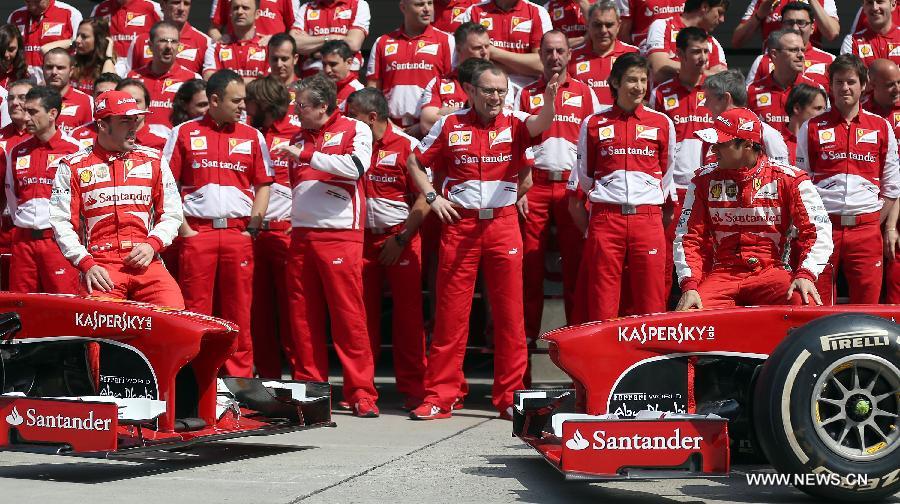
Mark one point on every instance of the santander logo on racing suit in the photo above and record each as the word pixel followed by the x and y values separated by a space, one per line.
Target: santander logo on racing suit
pixel 634 442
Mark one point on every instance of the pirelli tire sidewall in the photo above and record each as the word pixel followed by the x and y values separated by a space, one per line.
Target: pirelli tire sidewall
pixel 783 416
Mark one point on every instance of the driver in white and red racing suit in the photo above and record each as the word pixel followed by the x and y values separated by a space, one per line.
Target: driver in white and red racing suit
pixel 746 204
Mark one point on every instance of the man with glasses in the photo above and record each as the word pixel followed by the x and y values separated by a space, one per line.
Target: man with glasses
pixel 479 153
pixel 881 36
pixel 766 97
pixel 797 16
pixel 769 14
pixel 163 75
pixel 192 43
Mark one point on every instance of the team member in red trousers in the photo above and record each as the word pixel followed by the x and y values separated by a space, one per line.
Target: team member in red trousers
pixel 744 206
pixel 225 173
pixel 626 152
pixel 479 153
pixel 37 264
pixel 119 258
pixel 267 110
pixel 330 157
pixel 392 250
pixel 546 203
pixel 851 156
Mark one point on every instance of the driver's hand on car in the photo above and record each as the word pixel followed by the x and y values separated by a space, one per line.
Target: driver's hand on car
pixel 689 299
pixel 807 290
pixel 98 278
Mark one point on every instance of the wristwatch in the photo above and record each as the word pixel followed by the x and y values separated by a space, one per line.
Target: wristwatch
pixel 430 197
pixel 401 238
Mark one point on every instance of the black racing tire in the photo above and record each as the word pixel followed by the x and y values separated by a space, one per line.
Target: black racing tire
pixel 811 417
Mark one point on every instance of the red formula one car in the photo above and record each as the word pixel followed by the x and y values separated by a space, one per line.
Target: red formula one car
pixel 814 390
pixel 81 376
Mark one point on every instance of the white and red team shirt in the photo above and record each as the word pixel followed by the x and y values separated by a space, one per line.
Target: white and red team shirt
pixel 273 16
pixel 218 167
pixel 127 21
pixel 852 164
pixel 567 17
pixel 346 87
pixel 773 20
pixel 643 13
pixel 623 158
pixel 481 162
pixel 661 39
pixel 249 58
pixel 686 107
pixel 404 65
pixel 555 150
pixel 77 109
pixel 389 189
pixel 593 70
pixel 192 46
pixel 123 199
pixel 870 46
pixel 280 132
pixel 332 17
pixel 86 136
pixel 29 171
pixel 59 22
pixel 767 99
pixel 449 14
pixel 10 136
pixel 162 90
pixel 517 30
pixel 447 91
pixel 861 22
pixel 816 63
pixel 327 181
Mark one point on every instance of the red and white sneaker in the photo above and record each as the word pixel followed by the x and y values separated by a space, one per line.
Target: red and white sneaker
pixel 458 404
pixel 365 408
pixel 429 411
pixel 507 414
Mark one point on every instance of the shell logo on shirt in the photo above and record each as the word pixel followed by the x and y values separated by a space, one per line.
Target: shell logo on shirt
pixel 584 66
pixel 236 146
pixel 606 132
pixel 866 136
pixel 132 19
pixel 537 101
pixel 52 29
pixel 199 143
pixel 826 135
pixel 332 139
pixel 715 191
pixel 763 99
pixel 571 99
pixel 23 162
pixel 865 50
pixel 148 52
pixel 459 138
pixel 646 132
pixel 448 88
pixel 386 158
pixel 487 22
pixel 312 14
pixel 86 176
pixel 225 54
pixel 558 13
pixel 390 49
pixel 670 102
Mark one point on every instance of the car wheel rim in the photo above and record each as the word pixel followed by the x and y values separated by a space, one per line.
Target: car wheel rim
pixel 856 407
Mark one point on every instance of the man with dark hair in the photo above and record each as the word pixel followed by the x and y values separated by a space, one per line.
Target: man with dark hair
pixel 44 24
pixel 319 21
pixel 86 135
pixel 591 61
pixel 224 170
pixel 626 153
pixel 851 156
pixel 391 246
pixel 638 15
pixel 283 59
pixel 163 75
pixel 107 81
pixel 336 61
pixel 192 43
pixel 660 44
pixel 119 254
pixel 268 102
pixel 683 100
pixel 860 21
pixel 127 18
pixel 77 107
pixel 766 96
pixel 329 160
pixel 244 51
pixel 769 14
pixel 37 264
pixel 803 103
pixel 405 60
pixel 743 208
pixel 479 154
pixel 546 204
pixel 881 36
pixel 797 16
pixel 16 131
pixel 275 16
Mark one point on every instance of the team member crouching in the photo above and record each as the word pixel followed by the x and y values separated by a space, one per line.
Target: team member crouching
pixel 330 157
pixel 119 257
pixel 745 205
pixel 392 250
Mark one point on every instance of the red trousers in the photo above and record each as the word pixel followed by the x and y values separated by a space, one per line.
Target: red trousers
pixel 726 287
pixel 270 324
pixel 892 282
pixel 216 269
pixel 859 251
pixel 495 245
pixel 671 230
pixel 407 331
pixel 153 284
pixel 324 277
pixel 548 203
pixel 37 265
pixel 615 240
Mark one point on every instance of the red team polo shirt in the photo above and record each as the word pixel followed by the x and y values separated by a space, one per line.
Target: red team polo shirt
pixel 345 88
pixel 405 65
pixel 77 109
pixel 686 107
pixel 192 48
pixel 273 16
pixel 389 189
pixel 162 90
pixel 661 39
pixel 870 46
pixel 280 132
pixel 246 57
pixel 861 21
pixel 449 14
pixel 766 98
pixel 332 17
pixel 816 62
pixel 567 17
pixel 10 137
pixel 127 21
pixel 643 13
pixel 773 20
pixel 594 70
pixel 444 91
pixel 59 22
